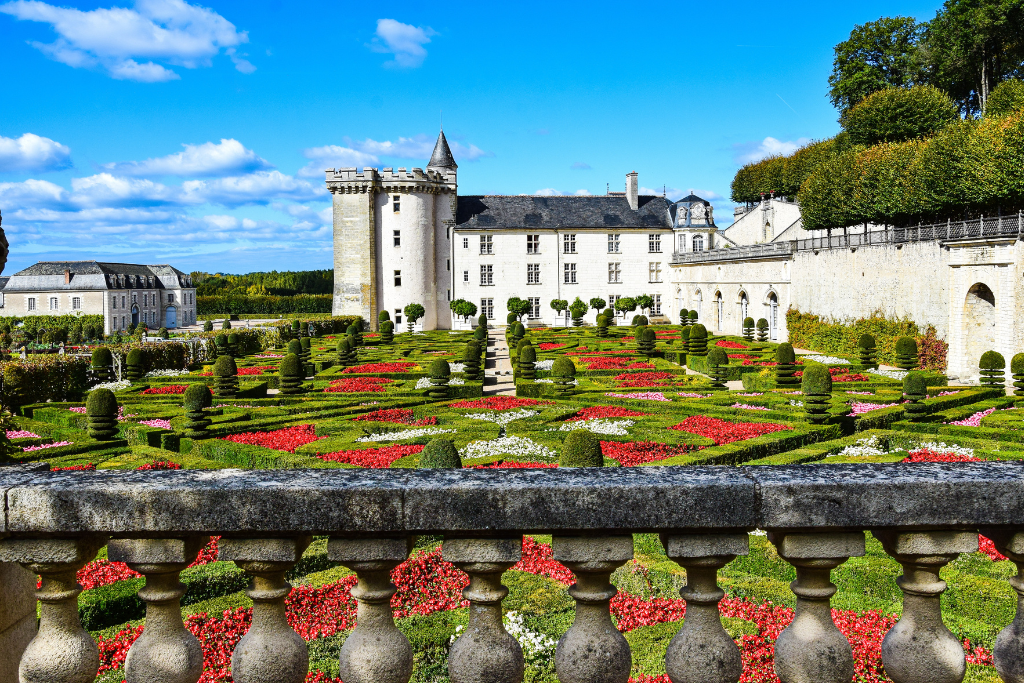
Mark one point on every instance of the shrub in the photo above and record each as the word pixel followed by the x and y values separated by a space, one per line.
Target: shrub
pixel 306 346
pixel 226 325
pixel 578 309
pixel 748 328
pixel 296 325
pixel 693 317
pixel 1017 368
pixel 898 114
pixel 291 374
pixel 785 367
pixel 303 328
pixel 234 345
pixel 581 448
pixel 101 412
pixel 640 321
pixel 471 360
pixel 992 366
pixel 440 454
pixel 103 364
pixel 343 353
pixel 383 316
pixel 413 312
pixel 647 341
pixel 480 335
pixel 511 318
pixel 563 372
pixel 356 330
pixel 387 332
pixel 527 358
pixel 718 362
pixel 208 326
pixel 163 333
pixel 915 390
pixel 602 326
pixel 868 351
pixel 906 353
pixel 440 373
pixel 684 316
pixel 294 346
pixel 697 344
pixel 1005 98
pixel 42 378
pixel 136 365
pixel 482 321
pixel 196 398
pixel 762 330
pixel 684 337
pixel 225 377
pixel 816 386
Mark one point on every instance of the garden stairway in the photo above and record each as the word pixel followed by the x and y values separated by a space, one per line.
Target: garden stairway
pixel 498 378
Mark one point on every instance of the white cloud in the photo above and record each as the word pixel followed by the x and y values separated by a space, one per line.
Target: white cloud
pixel 113 39
pixel 368 152
pixel 333 156
pixel 227 157
pixel 548 192
pixel 33 153
pixel 242 65
pixel 106 190
pixel 748 152
pixel 32 194
pixel 255 188
pixel 404 41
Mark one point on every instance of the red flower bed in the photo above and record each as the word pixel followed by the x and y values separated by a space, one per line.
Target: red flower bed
pixel 87 467
pixel 513 465
pixel 640 365
pixel 371 368
pixel 160 465
pixel 635 453
pixel 549 346
pixel 355 385
pixel 644 379
pixel 743 356
pixel 840 375
pixel 401 416
pixel 537 559
pixel 726 344
pixel 606 363
pixel 287 439
pixel 723 431
pixel 172 389
pixel 926 455
pixel 592 412
pixel 104 572
pixel 255 370
pixel 371 457
pixel 498 403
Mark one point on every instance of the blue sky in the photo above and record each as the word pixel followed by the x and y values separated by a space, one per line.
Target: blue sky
pixel 169 132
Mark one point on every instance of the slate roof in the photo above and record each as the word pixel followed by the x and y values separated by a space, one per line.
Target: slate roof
pixel 442 156
pixel 491 212
pixel 93 275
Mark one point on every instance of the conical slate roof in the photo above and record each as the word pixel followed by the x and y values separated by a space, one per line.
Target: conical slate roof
pixel 442 156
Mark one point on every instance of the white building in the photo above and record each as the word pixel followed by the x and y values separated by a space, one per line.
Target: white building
pixel 405 237
pixel 123 293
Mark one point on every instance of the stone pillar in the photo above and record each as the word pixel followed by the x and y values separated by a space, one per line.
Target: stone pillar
pixel 376 651
pixel 62 651
pixel 592 650
pixel 17 617
pixel 702 651
pixel 271 651
pixel 812 649
pixel 485 652
pixel 1009 651
pixel 919 648
pixel 166 651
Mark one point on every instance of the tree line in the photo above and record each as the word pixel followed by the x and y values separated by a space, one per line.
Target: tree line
pixel 273 283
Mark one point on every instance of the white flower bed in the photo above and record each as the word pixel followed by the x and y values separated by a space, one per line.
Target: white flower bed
pixel 538 649
pixel 406 434
pixel 551 381
pixel 544 364
pixel 599 425
pixel 891 374
pixel 795 403
pixel 827 360
pixel 114 386
pixel 502 418
pixel 863 448
pixel 166 373
pixel 518 446
pixel 457 367
pixel 941 447
pixel 424 382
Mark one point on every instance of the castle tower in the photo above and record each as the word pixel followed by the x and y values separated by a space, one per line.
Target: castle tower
pixel 392 239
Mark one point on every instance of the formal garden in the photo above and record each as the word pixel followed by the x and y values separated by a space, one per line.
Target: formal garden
pixel 326 394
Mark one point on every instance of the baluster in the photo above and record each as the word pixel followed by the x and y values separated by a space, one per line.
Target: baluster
pixel 485 652
pixel 61 651
pixel 166 651
pixel 1009 651
pixel 919 648
pixel 271 651
pixel 592 650
pixel 702 651
pixel 812 649
pixel 376 651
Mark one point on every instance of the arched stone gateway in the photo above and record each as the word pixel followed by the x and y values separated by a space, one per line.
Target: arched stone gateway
pixel 979 325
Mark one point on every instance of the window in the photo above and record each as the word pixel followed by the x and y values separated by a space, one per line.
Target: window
pixel 396 203
pixel 448 233
pixel 533 273
pixel 145 298
pixel 654 271
pixel 698 242
pixel 170 299
pixel 113 302
pixel 568 244
pixel 465 243
pixel 569 273
pixel 533 244
pixel 534 308
pixel 397 234
pixel 614 272
pixel 656 308
pixel 122 301
pixel 398 316
pixel 487 308
pixel 115 322
pixel 76 303
pixel 486 244
pixel 448 267
pixel 487 275
pixel 31 303
pixel 612 298
pixel 654 244
pixel 135 297
pixel 465 276
pixel 613 243
pixel 54 303
pixel 398 278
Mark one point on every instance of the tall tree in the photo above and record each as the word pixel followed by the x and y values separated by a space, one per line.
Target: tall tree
pixel 877 55
pixel 973 45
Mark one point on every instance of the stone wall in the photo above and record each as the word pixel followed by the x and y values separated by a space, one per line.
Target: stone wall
pixel 355 256
pixel 17 617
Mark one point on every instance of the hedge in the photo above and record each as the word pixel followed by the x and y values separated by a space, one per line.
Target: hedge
pixel 263 305
pixel 42 378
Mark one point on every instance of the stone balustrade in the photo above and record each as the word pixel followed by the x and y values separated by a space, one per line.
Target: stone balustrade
pixel 925 515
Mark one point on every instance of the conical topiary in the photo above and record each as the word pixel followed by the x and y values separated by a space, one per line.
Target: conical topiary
pixel 1017 368
pixel 581 448
pixel 163 333
pixel 718 364
pixel 697 343
pixel 527 360
pixel 647 342
pixel 440 374
pixel 915 390
pixel 440 454
pixel 226 325
pixel 101 412
pixel 748 328
pixel 816 386
pixel 785 366
pixel 868 351
pixel 518 332
pixel 992 367
pixel 471 361
pixel 353 348
pixel 103 364
pixel 136 365
pixel 225 377
pixel 196 399
pixel 762 330
pixel 906 353
pixel 291 374
pixel 563 375
pixel 208 326
pixel 387 331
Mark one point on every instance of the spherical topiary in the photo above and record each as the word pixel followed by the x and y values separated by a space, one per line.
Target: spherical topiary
pixel 511 318
pixel 684 317
pixel 382 316
pixel 294 346
pixel 356 330
pixel 208 326
pixel 291 374
pixel 440 454
pixel 647 342
pixel 101 412
pixel 196 398
pixel 1017 368
pixel 225 377
pixel 581 448
pixel 136 365
pixel 471 361
pixel 693 316
pixel 527 360
pixel 906 353
pixel 748 328
pixel 992 366
pixel 816 386
pixel 697 343
pixel 480 334
pixel 867 348
pixel 103 364
pixel 563 375
pixel 718 364
pixel 440 374
pixel 387 332
pixel 915 390
pixel 785 367
pixel 762 330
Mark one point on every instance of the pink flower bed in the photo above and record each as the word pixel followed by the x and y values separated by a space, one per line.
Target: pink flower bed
pixel 642 396
pixel 21 434
pixel 973 420
pixel 161 424
pixel 46 445
pixel 859 407
pixel 744 406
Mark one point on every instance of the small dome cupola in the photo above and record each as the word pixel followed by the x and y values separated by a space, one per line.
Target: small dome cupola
pixel 442 156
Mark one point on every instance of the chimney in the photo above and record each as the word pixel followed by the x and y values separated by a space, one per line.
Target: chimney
pixel 632 190
pixel 67 276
